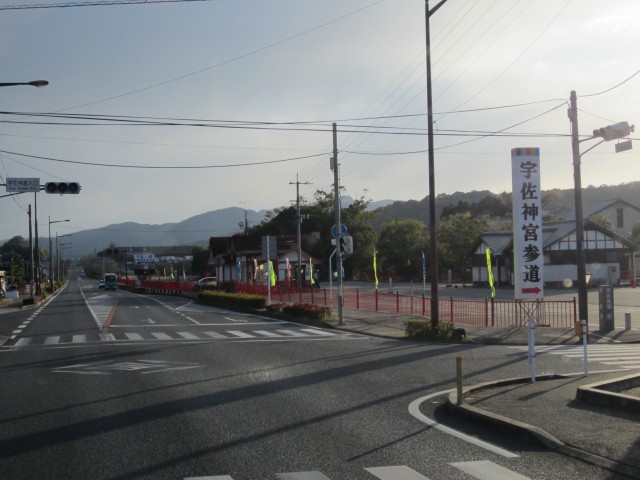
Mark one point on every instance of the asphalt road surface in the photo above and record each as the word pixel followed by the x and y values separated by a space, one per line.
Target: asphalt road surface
pixel 113 385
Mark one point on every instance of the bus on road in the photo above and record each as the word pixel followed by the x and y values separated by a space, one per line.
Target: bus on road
pixel 110 281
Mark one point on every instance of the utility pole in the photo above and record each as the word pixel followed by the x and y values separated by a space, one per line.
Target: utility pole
pixel 336 183
pixel 583 311
pixel 433 239
pixel 298 227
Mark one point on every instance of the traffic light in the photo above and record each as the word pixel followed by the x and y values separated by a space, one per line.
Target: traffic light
pixel 346 245
pixel 614 132
pixel 62 187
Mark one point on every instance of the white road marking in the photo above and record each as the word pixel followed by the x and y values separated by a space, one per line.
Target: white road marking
pixel 486 470
pixel 395 473
pixel 241 334
pixel 414 410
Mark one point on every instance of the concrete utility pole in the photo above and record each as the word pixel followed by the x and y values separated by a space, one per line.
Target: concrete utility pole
pixel 297 183
pixel 433 238
pixel 583 312
pixel 336 183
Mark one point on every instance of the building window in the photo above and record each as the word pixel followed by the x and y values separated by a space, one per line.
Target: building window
pixel 620 218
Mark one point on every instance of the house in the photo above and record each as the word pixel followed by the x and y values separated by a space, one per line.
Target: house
pixel 623 215
pixel 241 258
pixel 609 256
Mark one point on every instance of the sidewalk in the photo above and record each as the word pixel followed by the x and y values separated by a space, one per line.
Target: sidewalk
pixel 546 411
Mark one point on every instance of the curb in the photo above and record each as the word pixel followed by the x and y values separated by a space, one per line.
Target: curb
pixel 530 432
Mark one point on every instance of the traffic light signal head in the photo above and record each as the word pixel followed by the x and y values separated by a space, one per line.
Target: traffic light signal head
pixel 62 187
pixel 346 245
pixel 614 132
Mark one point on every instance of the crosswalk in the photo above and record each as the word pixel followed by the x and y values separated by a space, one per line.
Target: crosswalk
pixel 288 334
pixel 481 470
pixel 617 355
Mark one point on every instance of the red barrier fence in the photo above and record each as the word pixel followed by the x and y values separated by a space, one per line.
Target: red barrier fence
pixel 482 312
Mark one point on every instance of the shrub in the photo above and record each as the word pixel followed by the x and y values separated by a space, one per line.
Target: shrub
pixel 316 312
pixel 419 328
pixel 239 300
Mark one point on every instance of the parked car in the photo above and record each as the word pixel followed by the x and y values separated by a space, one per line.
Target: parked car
pixel 207 283
pixel 101 284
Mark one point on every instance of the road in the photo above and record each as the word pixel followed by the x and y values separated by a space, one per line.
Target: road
pixel 113 385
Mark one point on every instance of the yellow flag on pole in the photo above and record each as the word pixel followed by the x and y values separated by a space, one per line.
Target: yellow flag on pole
pixel 490 272
pixel 375 269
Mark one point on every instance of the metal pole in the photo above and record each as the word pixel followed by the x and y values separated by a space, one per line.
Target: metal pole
pixel 37 247
pixel 336 183
pixel 433 239
pixel 583 312
pixel 33 272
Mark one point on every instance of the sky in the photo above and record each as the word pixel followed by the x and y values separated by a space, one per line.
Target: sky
pixel 169 110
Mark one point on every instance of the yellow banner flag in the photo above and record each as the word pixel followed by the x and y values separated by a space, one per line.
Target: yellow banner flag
pixel 375 269
pixel 272 274
pixel 490 272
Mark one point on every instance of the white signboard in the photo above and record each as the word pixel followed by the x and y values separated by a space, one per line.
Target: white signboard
pixel 527 224
pixel 143 259
pixel 23 185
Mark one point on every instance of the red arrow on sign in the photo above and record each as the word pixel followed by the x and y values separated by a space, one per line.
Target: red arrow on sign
pixel 534 290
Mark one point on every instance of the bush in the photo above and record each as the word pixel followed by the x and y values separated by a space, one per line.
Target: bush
pixel 238 300
pixel 301 310
pixel 418 328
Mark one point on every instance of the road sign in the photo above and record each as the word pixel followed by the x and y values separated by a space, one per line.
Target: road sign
pixel 270 251
pixel 343 231
pixel 144 259
pixel 19 185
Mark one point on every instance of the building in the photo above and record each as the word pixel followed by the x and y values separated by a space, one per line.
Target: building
pixel 241 259
pixel 609 256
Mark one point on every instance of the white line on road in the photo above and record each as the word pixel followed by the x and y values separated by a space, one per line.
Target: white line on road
pixel 395 473
pixel 486 470
pixel 414 410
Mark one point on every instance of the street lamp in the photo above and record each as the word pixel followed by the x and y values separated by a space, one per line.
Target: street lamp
pixel 611 132
pixel 57 250
pixel 34 83
pixel 433 246
pixel 51 251
pixel 62 248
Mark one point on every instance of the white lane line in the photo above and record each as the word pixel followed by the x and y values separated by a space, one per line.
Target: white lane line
pixel 22 342
pixel 267 333
pixel 486 470
pixel 133 336
pixel 107 337
pixel 315 331
pixel 161 336
pixel 414 410
pixel 188 335
pixel 79 339
pixel 215 335
pixel 240 334
pixel 293 333
pixel 52 340
pixel 302 476
pixel 399 472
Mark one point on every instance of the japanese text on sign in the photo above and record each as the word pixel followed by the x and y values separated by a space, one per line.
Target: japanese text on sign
pixel 527 223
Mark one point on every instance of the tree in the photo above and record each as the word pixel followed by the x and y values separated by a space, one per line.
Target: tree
pixel 400 247
pixel 199 264
pixel 601 220
pixel 456 236
pixel 17 248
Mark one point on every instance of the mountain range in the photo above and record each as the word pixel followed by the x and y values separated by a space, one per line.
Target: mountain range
pixel 196 230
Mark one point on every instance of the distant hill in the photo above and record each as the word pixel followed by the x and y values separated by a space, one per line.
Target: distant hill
pixel 194 231
pixel 197 230
pixel 559 199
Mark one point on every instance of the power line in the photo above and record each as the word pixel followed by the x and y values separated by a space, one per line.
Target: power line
pixel 95 3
